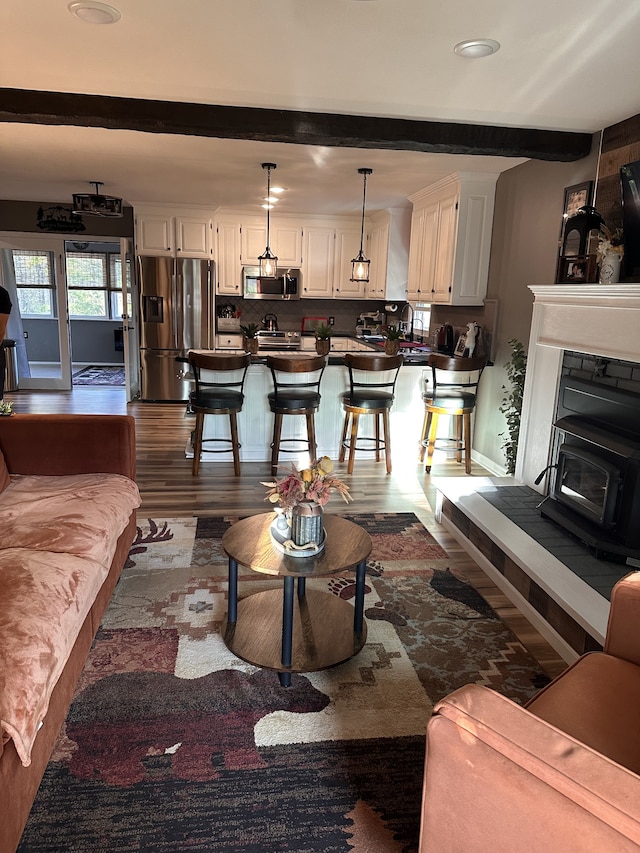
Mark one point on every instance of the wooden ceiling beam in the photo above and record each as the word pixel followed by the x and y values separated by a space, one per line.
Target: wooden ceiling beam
pixel 288 126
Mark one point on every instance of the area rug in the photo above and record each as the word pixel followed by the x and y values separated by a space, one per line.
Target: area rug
pixel 96 375
pixel 172 743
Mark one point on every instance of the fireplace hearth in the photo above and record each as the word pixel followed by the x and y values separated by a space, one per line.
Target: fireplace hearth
pixel 594 491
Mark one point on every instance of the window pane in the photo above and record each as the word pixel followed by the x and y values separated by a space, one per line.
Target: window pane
pixel 87 303
pixel 32 268
pixel 86 270
pixel 34 300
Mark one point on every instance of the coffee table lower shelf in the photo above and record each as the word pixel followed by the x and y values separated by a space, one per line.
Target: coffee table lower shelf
pixel 323 631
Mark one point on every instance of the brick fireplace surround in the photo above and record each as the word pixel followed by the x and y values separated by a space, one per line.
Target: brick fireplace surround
pixel 571 613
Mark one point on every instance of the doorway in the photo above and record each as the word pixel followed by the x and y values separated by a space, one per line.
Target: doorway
pixel 73 317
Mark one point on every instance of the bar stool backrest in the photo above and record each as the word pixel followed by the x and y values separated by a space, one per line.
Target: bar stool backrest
pixel 373 371
pixel 229 372
pixel 286 370
pixel 455 376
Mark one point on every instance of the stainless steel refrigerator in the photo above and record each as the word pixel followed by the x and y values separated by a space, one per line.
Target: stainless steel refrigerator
pixel 176 315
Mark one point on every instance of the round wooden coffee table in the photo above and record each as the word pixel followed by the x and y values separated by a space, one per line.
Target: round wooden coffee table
pixel 281 631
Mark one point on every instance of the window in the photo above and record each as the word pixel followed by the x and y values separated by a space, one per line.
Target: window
pixel 94 282
pixel 33 272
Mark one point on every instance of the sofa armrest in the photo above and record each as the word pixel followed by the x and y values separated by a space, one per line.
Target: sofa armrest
pixel 498 778
pixel 623 629
pixel 69 444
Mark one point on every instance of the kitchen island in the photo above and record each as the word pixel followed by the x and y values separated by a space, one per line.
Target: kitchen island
pixel 255 421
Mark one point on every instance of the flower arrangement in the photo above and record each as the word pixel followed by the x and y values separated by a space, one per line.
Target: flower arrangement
pixel 311 484
pixel 6 408
pixel 609 241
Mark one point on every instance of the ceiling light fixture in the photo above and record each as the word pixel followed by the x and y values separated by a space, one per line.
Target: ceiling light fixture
pixel 268 261
pixel 97 204
pixel 94 13
pixel 476 48
pixel 360 265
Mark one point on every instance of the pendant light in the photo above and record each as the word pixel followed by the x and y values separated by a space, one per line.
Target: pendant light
pixel 360 264
pixel 268 261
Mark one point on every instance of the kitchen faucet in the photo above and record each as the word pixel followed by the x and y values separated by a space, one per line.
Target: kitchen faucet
pixel 406 322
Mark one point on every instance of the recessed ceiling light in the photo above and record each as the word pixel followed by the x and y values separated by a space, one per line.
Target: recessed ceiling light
pixel 94 13
pixel 267 206
pixel 277 190
pixel 476 48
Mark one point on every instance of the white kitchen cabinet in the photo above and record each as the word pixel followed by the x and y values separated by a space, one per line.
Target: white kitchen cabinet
pixel 318 252
pixel 347 247
pixel 193 237
pixel 182 236
pixel 228 259
pixel 285 240
pixel 155 235
pixel 451 239
pixel 228 341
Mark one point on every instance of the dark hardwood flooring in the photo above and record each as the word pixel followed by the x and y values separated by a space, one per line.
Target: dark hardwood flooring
pixel 168 488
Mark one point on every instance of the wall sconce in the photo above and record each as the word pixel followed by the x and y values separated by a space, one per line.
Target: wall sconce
pixel 360 264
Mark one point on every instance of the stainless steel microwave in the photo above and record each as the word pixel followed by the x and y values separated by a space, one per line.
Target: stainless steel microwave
pixel 286 285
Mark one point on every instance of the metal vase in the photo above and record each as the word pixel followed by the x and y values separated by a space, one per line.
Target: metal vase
pixel 306 523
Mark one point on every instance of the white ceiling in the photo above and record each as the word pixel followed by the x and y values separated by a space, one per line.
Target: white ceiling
pixel 562 65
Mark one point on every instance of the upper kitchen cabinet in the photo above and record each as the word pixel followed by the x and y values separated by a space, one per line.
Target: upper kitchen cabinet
pixel 285 239
pixel 228 258
pixel 318 252
pixel 388 250
pixel 347 246
pixel 159 233
pixel 450 240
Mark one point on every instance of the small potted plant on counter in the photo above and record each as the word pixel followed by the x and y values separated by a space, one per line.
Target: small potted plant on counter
pixel 323 338
pixel 393 335
pixel 250 337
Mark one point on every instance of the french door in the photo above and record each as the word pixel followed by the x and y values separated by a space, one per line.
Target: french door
pixel 32 269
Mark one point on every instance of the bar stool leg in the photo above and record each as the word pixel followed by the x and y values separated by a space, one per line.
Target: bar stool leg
pixel 343 447
pixel 433 430
pixel 467 442
pixel 459 439
pixel 275 444
pixel 235 446
pixel 355 417
pixel 197 443
pixel 376 418
pixel 387 439
pixel 426 422
pixel 311 437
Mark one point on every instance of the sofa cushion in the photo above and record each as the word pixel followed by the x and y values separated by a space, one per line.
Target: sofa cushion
pixel 81 514
pixel 59 537
pixel 596 701
pixel 4 473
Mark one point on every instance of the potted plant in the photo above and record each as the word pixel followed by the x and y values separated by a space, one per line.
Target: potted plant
pixel 393 335
pixel 511 405
pixel 323 338
pixel 250 337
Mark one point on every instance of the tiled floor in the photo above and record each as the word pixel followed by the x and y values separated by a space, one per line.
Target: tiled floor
pixel 520 505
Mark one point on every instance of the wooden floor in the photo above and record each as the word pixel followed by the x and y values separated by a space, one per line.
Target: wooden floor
pixel 168 488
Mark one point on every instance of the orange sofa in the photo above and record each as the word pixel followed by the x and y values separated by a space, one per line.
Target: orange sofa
pixel 79 533
pixel 560 775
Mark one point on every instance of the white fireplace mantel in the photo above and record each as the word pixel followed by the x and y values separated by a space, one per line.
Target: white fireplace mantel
pixel 602 320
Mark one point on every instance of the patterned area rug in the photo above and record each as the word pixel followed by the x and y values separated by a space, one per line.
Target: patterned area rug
pixel 174 744
pixel 99 376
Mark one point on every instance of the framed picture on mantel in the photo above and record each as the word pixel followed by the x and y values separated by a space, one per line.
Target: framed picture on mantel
pixel 577 269
pixel 576 197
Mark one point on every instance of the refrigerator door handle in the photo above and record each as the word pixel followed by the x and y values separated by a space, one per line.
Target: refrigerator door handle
pixel 178 311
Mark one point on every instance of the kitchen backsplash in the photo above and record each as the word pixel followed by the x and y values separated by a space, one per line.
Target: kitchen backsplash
pixel 291 312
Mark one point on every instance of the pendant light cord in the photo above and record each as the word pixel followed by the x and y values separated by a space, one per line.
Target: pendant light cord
pixel 364 196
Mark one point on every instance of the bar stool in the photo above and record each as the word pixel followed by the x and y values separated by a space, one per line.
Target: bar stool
pixel 293 395
pixel 218 391
pixel 454 393
pixel 372 381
